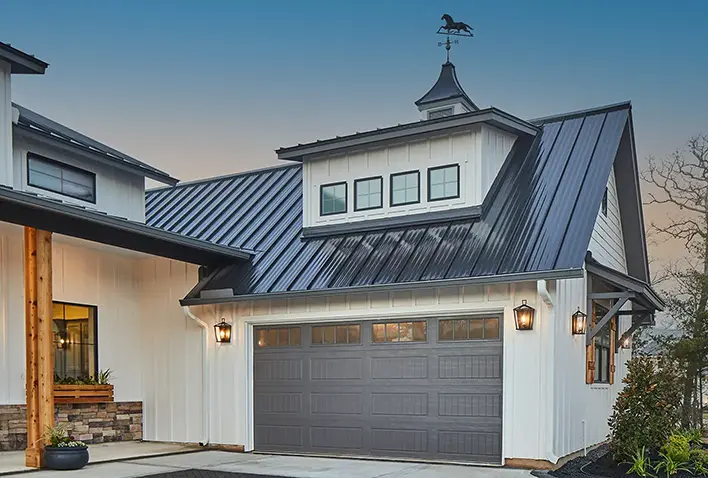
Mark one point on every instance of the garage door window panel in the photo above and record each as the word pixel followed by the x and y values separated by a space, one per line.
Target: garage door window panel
pixel 396 332
pixel 476 328
pixel 278 337
pixel 336 334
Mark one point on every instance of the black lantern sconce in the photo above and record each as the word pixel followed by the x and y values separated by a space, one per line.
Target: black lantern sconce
pixel 223 332
pixel 523 316
pixel 62 340
pixel 579 323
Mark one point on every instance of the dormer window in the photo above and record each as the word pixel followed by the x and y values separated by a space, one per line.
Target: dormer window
pixel 444 182
pixel 405 188
pixel 333 198
pixel 368 193
pixel 60 178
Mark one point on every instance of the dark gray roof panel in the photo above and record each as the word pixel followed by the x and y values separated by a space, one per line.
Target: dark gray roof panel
pixel 538 217
pixel 21 62
pixel 446 88
pixel 36 124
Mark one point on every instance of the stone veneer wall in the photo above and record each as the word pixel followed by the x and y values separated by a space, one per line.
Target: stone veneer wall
pixel 88 422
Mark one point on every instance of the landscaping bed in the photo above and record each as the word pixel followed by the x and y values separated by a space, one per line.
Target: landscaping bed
pixel 599 464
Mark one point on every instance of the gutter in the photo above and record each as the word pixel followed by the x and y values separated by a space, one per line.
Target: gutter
pixel 205 373
pixel 222 296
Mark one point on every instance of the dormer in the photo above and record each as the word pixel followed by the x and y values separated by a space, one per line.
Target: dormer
pixel 437 169
pixel 446 97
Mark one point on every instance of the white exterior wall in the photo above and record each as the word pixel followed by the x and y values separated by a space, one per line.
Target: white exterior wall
pixel 525 363
pixel 118 193
pixel 480 152
pixel 581 411
pixel 143 336
pixel 5 125
pixel 607 242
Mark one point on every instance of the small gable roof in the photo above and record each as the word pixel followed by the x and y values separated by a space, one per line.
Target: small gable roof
pixel 42 128
pixel 536 222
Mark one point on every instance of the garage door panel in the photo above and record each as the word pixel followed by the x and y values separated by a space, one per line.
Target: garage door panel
pixel 422 400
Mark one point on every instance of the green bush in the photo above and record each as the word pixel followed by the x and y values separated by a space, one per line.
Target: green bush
pixel 647 410
pixel 694 437
pixel 641 464
pixel 677 448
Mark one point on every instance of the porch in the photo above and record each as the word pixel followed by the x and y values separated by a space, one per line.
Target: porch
pixel 61 267
pixel 12 462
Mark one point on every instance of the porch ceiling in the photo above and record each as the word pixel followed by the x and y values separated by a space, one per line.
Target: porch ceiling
pixel 27 209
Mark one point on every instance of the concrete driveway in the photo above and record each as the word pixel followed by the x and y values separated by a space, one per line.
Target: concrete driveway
pixel 220 464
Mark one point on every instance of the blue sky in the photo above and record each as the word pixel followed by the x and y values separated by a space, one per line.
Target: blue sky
pixel 213 87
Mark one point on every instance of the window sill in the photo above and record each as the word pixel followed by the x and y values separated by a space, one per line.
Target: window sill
pixel 599 386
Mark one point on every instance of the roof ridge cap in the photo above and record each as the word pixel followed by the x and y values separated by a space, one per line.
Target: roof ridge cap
pixel 223 177
pixel 605 108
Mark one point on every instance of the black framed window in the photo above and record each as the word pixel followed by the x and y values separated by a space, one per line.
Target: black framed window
pixel 444 182
pixel 601 342
pixel 472 328
pixel 333 198
pixel 75 340
pixel 50 175
pixel 336 334
pixel 368 193
pixel 400 331
pixel 604 203
pixel 278 337
pixel 405 188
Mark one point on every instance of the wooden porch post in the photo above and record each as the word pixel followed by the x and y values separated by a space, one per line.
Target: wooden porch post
pixel 39 343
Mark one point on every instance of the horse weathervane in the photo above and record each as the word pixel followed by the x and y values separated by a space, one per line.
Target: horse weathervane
pixel 454 28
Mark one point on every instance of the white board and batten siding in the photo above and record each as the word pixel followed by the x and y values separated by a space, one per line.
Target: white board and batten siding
pixel 479 151
pixel 143 335
pixel 607 241
pixel 5 125
pixel 525 360
pixel 118 192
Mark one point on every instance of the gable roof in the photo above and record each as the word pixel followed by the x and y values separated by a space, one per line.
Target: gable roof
pixel 21 62
pixel 536 222
pixel 41 128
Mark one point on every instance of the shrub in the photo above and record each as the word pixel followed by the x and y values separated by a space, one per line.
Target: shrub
pixel 694 437
pixel 699 460
pixel 670 466
pixel 677 448
pixel 647 410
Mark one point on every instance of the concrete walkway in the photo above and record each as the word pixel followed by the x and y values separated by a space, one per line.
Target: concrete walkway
pixel 272 465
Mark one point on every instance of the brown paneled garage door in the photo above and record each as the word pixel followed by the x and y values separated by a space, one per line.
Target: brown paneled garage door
pixel 424 389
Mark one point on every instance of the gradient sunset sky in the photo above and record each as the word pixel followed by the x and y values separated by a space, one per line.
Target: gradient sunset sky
pixel 212 87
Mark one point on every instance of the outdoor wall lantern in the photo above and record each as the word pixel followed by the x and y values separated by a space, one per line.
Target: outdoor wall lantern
pixel 223 332
pixel 626 343
pixel 579 323
pixel 523 316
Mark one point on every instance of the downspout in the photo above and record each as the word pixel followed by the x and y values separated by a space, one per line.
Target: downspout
pixel 205 372
pixel 542 290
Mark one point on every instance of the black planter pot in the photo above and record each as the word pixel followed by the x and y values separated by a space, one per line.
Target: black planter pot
pixel 66 458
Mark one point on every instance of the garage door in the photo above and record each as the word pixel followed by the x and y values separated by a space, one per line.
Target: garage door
pixel 422 389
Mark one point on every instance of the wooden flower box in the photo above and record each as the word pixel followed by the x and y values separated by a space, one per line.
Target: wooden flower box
pixel 83 393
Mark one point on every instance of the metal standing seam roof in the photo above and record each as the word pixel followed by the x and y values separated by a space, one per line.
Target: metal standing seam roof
pixel 38 124
pixel 447 87
pixel 537 218
pixel 21 62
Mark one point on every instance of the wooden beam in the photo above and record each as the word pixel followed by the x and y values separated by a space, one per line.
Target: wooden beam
pixel 45 337
pixel 39 341
pixel 612 295
pixel 593 331
pixel 33 453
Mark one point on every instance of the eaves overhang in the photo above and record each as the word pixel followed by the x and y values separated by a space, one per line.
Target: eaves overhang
pixel 28 209
pixel 223 296
pixel 625 282
pixel 492 116
pixel 20 62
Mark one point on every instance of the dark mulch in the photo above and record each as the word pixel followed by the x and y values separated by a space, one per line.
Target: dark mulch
pixel 599 464
pixel 207 474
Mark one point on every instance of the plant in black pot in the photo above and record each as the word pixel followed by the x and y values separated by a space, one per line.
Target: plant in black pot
pixel 63 452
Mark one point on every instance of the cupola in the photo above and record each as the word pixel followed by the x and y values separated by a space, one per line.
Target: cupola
pixel 446 97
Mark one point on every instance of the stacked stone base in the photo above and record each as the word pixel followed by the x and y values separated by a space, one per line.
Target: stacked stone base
pixel 88 422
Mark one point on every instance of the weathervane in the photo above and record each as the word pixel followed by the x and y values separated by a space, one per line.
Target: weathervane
pixel 454 28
